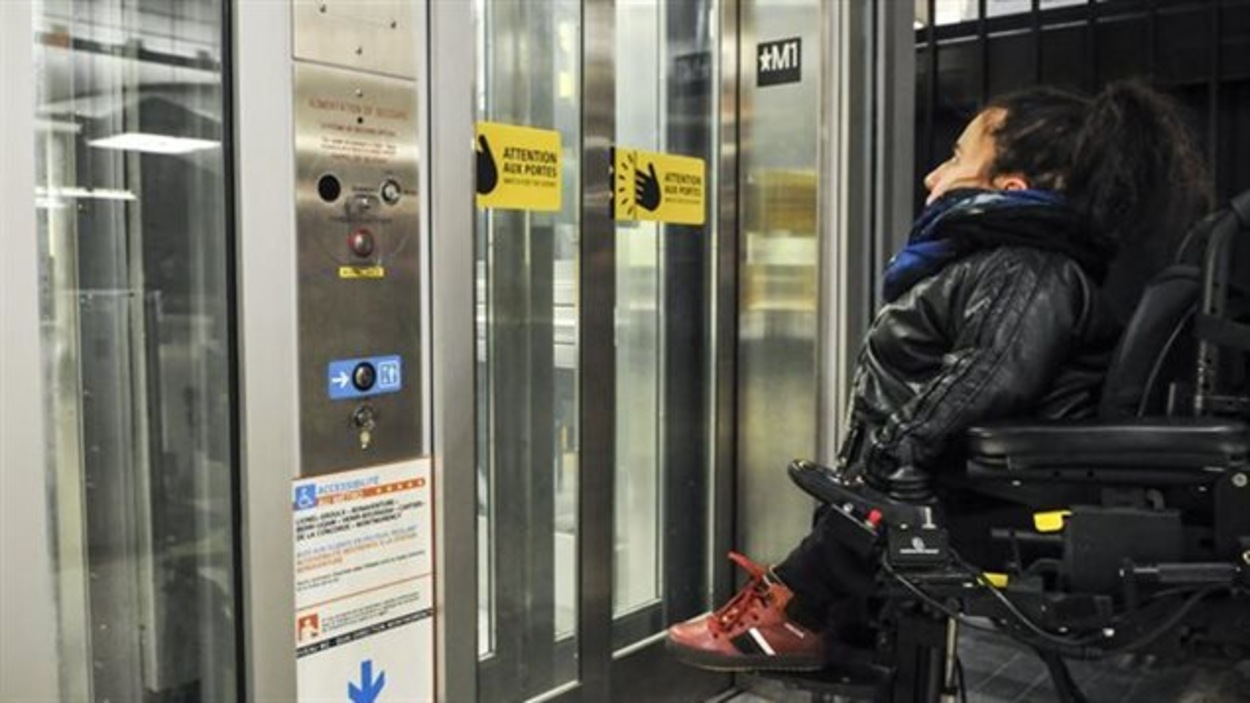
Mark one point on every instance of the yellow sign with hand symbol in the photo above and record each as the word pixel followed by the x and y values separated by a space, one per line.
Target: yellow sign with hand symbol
pixel 518 168
pixel 657 187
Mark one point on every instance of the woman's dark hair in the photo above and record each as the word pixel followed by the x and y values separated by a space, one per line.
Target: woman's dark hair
pixel 1125 157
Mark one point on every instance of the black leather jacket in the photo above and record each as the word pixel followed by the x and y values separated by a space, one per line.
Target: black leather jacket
pixel 1006 331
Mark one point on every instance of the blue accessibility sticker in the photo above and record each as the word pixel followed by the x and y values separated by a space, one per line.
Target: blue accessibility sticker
pixel 305 496
pixel 364 377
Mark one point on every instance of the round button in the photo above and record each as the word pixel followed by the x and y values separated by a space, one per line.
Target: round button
pixel 329 187
pixel 391 191
pixel 361 243
pixel 364 376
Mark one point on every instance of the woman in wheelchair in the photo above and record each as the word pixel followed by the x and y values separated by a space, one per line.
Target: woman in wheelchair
pixel 992 310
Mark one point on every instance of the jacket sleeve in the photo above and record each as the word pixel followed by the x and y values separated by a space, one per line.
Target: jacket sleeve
pixel 1010 338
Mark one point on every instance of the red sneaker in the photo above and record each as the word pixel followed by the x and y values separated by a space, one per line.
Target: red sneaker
pixel 751 631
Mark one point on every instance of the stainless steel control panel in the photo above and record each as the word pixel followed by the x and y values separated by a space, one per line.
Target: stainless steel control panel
pixel 359 297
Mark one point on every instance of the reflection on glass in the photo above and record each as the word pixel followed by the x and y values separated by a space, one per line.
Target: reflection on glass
pixel 529 59
pixel 639 83
pixel 134 308
pixel 778 294
pixel 665 102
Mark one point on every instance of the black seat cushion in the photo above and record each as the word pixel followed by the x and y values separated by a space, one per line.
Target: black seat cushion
pixel 1139 443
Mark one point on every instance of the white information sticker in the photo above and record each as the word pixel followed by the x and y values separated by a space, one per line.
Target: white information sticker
pixel 364 585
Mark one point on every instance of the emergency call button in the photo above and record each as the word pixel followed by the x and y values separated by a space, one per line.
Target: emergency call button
pixel 363 376
pixel 361 243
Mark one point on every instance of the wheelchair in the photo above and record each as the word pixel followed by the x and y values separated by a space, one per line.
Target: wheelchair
pixel 1128 533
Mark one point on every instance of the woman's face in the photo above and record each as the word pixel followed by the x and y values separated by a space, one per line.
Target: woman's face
pixel 970 161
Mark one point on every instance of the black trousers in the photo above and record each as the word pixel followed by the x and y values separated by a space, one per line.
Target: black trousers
pixel 831 582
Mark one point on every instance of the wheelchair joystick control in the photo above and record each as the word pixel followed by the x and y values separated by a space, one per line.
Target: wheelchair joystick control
pixel 910 485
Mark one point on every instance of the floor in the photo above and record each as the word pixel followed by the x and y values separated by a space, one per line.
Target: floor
pixel 999 671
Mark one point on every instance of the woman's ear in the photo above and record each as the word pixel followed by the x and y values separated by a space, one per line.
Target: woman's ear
pixel 1011 181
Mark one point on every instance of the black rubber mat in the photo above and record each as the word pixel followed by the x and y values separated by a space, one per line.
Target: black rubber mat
pixel 997 670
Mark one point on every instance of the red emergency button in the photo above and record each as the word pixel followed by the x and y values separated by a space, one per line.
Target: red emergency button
pixel 874 517
pixel 361 243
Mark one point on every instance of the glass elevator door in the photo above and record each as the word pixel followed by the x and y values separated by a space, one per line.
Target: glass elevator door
pixel 540 632
pixel 133 240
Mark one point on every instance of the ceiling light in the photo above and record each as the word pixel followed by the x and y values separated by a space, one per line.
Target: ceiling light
pixel 153 143
pixel 60 126
pixel 50 195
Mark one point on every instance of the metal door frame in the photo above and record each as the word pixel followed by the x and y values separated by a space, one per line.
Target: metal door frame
pixel 264 160
pixel 28 651
pixel 264 194
pixel 448 101
pixel 867 104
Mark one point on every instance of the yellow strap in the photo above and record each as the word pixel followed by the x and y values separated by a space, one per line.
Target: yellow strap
pixel 1051 521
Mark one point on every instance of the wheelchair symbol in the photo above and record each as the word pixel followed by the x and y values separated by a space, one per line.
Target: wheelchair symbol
pixel 305 497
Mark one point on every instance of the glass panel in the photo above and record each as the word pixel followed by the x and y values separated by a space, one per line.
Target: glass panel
pixel 637 554
pixel 529 58
pixel 778 293
pixel 665 59
pixel 135 336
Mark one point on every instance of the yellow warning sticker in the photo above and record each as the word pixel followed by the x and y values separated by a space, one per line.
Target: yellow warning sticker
pixel 362 272
pixel 1051 521
pixel 995 579
pixel 658 187
pixel 518 168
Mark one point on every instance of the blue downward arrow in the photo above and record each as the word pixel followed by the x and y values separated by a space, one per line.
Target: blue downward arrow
pixel 369 689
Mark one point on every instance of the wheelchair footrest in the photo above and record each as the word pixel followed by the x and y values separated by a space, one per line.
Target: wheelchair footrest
pixel 830 682
pixel 852 673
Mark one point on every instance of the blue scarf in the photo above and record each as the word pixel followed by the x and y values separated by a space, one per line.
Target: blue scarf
pixel 930 247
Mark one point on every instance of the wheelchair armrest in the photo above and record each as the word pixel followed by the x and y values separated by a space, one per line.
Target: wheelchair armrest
pixel 855 498
pixel 1148 448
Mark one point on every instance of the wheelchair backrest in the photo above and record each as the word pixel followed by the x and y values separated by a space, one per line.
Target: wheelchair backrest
pixel 1222 325
pixel 1186 349
pixel 1156 348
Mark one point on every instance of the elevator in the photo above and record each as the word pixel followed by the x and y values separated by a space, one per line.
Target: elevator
pixel 311 411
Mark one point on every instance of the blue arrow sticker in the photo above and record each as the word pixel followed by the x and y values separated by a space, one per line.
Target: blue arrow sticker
pixel 364 376
pixel 369 688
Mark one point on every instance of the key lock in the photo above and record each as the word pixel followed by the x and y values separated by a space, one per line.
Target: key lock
pixel 364 419
pixel 362 241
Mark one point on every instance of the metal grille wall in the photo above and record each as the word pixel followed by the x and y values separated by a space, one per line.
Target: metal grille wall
pixel 1196 50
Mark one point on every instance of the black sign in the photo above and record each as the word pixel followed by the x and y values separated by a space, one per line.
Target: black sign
pixel 779 62
pixel 693 72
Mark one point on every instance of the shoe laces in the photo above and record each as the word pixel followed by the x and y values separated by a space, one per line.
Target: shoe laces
pixel 756 593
